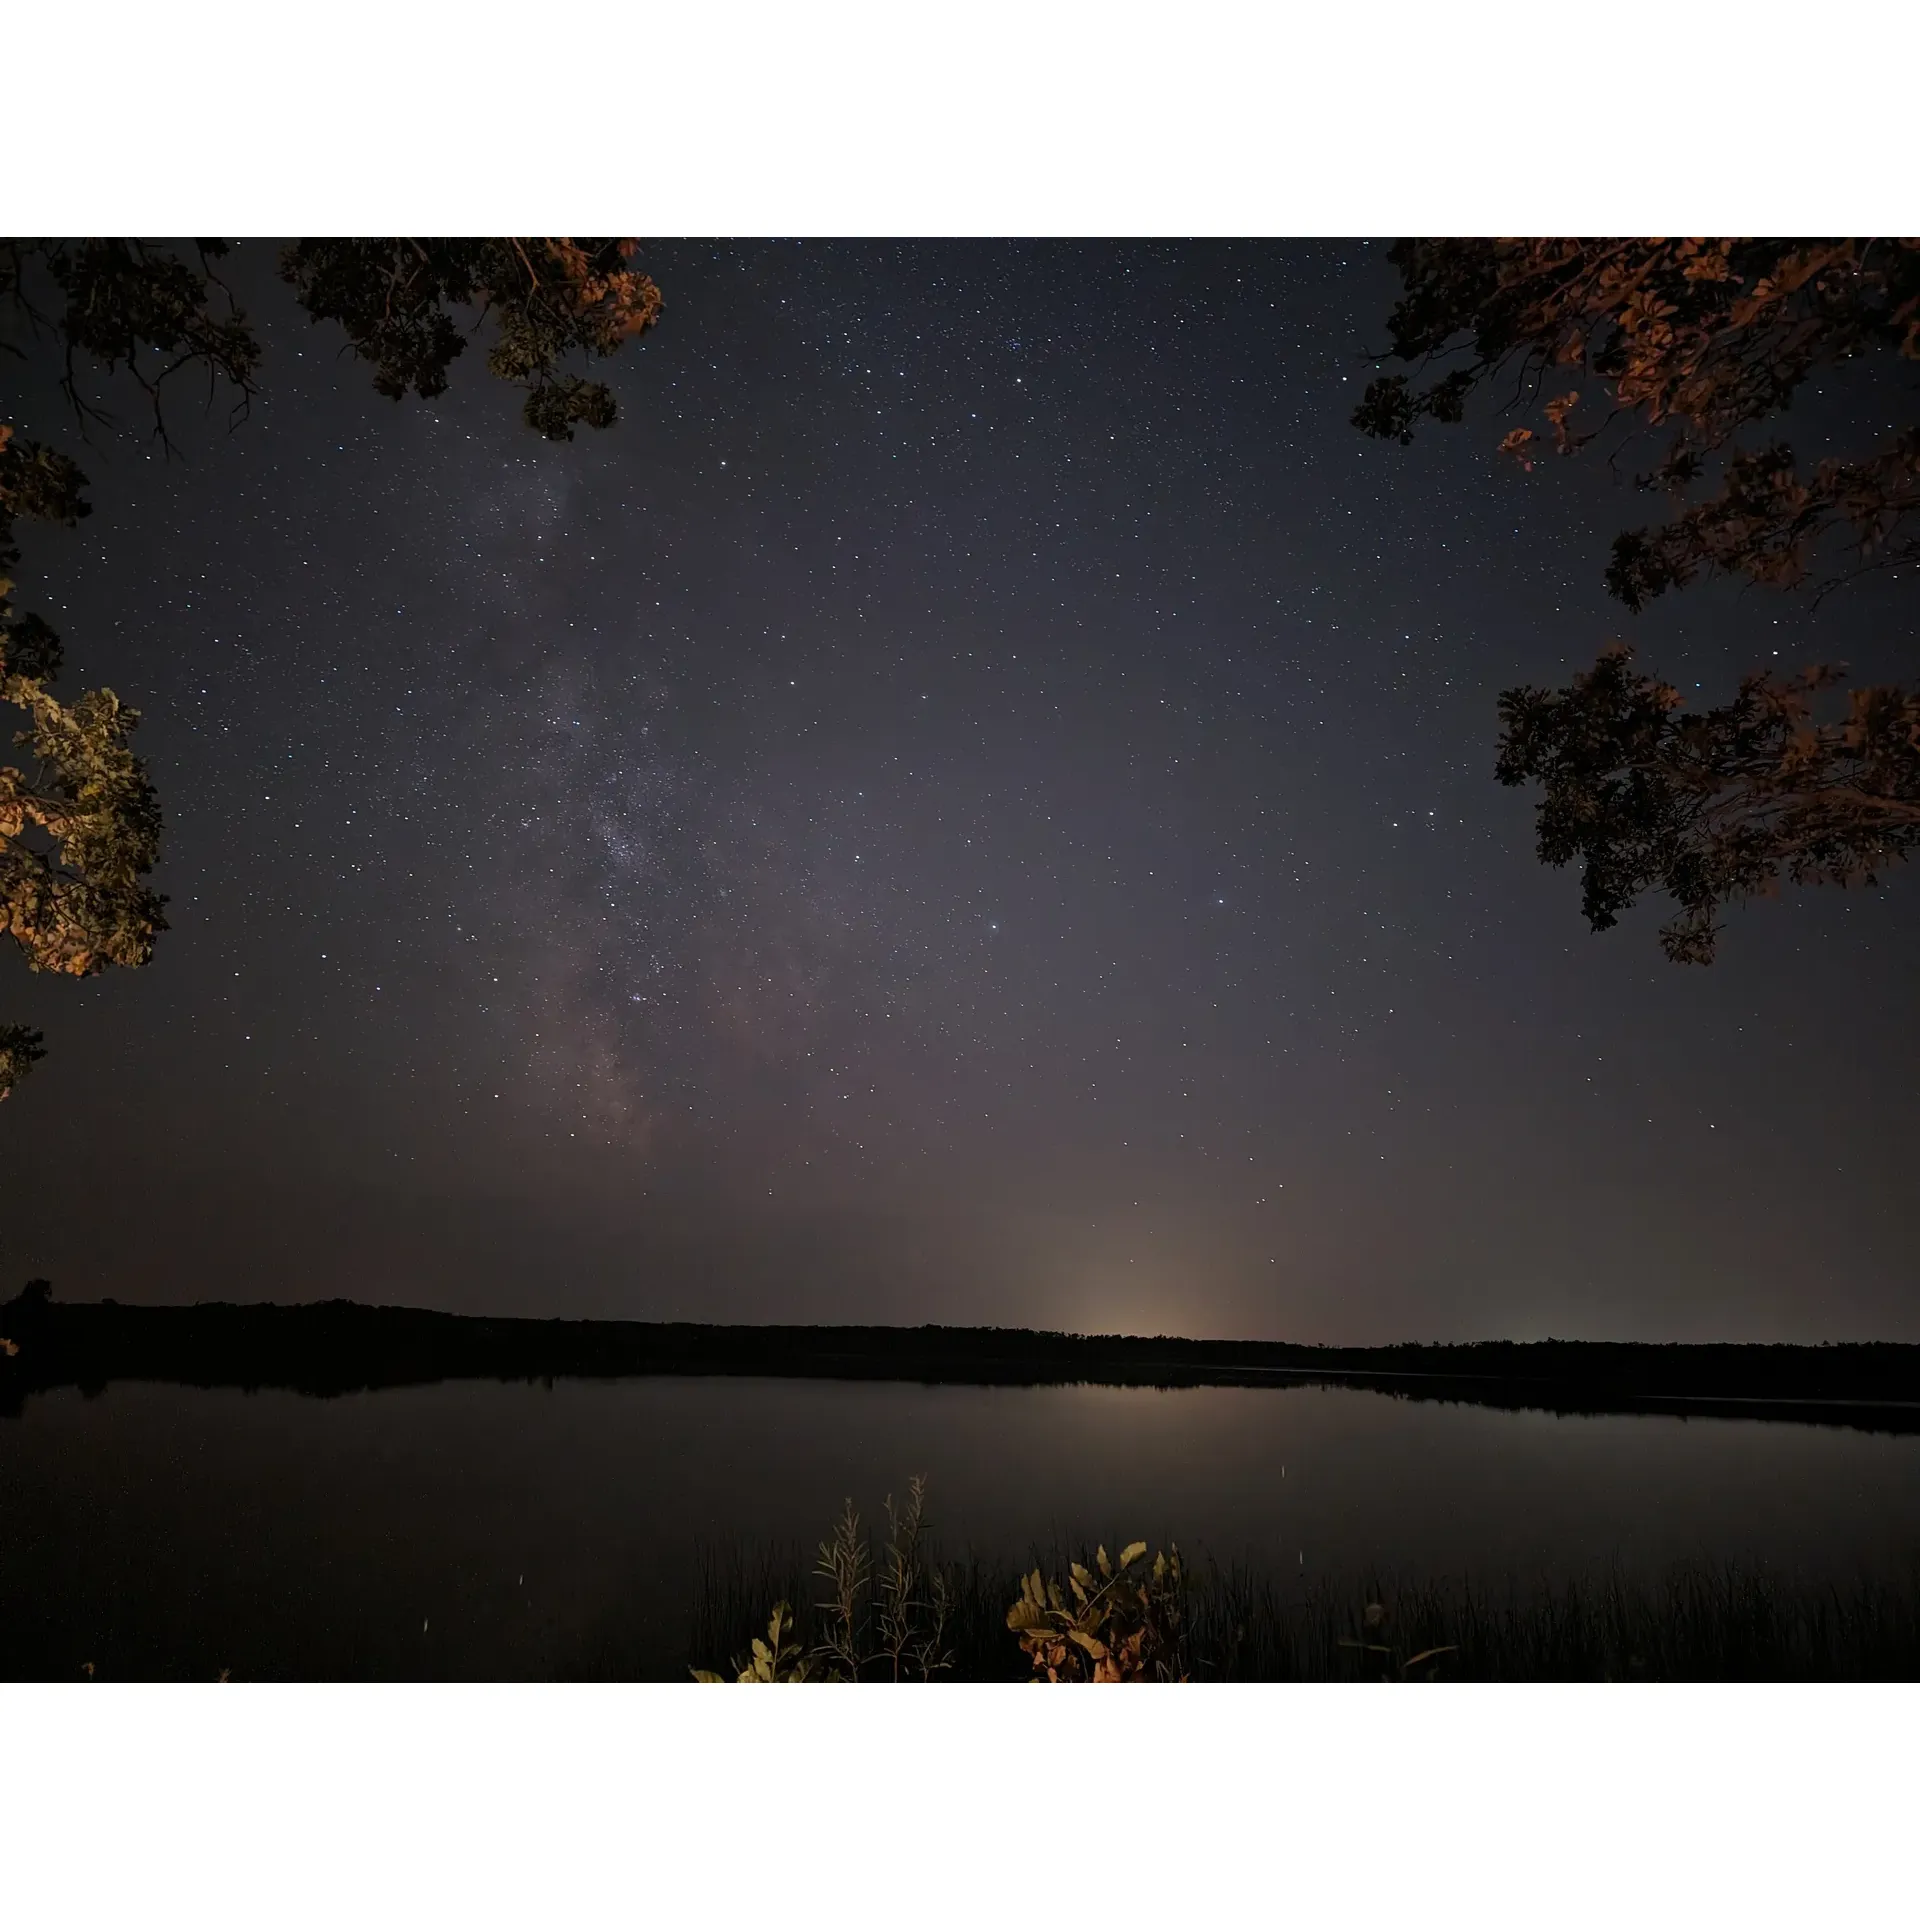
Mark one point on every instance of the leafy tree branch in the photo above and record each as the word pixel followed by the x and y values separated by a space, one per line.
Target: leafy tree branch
pixel 1700 340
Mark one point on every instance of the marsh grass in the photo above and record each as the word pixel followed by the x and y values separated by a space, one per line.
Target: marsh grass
pixel 1697 1622
pixel 885 1617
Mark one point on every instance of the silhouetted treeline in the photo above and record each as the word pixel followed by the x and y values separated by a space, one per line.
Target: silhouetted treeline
pixel 338 1346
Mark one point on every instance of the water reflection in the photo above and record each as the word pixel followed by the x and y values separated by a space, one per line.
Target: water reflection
pixel 482 1529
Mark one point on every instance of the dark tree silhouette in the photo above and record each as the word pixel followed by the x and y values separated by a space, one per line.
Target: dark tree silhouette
pixel 80 822
pixel 1714 806
pixel 548 298
pixel 1701 340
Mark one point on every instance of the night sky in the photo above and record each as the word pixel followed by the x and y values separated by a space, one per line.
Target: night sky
pixel 973 802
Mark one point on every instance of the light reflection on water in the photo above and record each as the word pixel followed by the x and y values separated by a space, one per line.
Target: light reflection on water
pixel 168 1529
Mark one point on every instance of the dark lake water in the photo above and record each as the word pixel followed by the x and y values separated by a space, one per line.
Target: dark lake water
pixel 488 1530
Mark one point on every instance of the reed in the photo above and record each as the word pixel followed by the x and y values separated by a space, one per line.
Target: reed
pixel 1696 1622
pixel 894 1625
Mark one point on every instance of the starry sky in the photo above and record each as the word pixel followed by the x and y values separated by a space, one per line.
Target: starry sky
pixel 972 802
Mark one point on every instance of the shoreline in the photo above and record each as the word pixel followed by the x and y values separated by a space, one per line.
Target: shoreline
pixel 335 1347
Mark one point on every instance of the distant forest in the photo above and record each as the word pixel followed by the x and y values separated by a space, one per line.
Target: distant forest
pixel 338 1346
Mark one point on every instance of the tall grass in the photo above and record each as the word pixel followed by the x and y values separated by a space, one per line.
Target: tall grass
pixel 910 1616
pixel 1696 1622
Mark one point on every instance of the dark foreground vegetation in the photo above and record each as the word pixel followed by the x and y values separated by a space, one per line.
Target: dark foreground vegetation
pixel 337 1346
pixel 905 1614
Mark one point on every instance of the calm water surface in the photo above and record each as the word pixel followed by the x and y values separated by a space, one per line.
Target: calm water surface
pixel 496 1531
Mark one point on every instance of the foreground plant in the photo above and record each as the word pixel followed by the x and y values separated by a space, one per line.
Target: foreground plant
pixel 897 1626
pixel 846 1566
pixel 1395 1665
pixel 774 1660
pixel 1110 1623
pixel 910 1621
